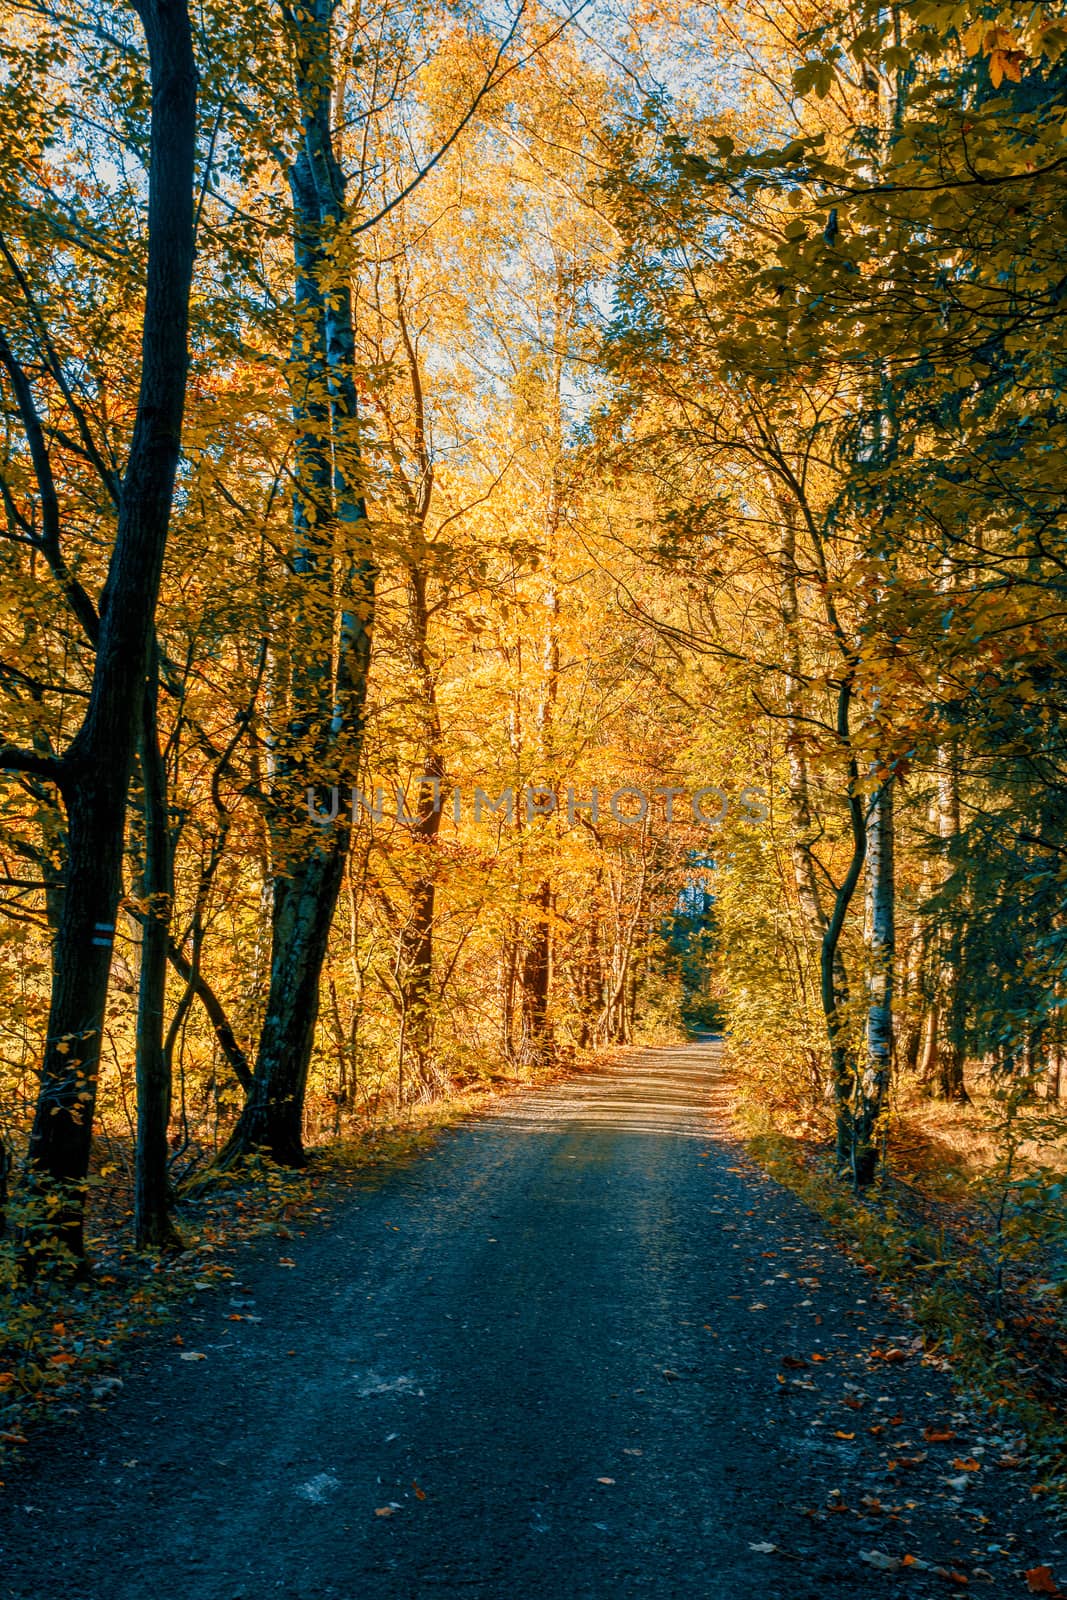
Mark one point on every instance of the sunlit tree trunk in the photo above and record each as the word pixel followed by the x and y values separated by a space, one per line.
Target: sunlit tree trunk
pixel 328 681
pixel 881 918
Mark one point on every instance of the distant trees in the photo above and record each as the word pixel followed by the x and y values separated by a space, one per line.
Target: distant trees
pixel 848 337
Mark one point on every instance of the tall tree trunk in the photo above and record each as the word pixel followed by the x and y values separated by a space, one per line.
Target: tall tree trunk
pixel 843 1064
pixel 153 1228
pixel 948 1040
pixel 94 774
pixel 416 949
pixel 804 875
pixel 802 828
pixel 327 690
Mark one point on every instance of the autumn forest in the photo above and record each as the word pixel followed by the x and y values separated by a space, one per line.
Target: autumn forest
pixel 530 534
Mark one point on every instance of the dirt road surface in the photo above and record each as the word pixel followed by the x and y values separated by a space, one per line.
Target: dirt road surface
pixel 581 1350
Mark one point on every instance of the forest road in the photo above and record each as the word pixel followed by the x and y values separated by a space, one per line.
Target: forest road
pixel 581 1349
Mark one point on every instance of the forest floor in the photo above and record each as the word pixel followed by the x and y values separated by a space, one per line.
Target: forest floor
pixel 582 1347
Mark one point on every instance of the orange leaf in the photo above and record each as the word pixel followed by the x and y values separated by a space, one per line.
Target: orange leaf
pixel 966 1464
pixel 938 1435
pixel 1039 1580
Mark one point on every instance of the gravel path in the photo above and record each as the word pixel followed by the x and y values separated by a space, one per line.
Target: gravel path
pixel 582 1349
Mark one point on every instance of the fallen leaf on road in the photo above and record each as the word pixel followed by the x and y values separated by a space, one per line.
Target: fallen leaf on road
pixel 420 1494
pixel 383 1511
pixel 878 1558
pixel 938 1435
pixel 283 1261
pixel 1039 1580
pixel 191 1355
pixel 967 1464
pixel 839 1433
pixel 763 1548
pixel 605 1480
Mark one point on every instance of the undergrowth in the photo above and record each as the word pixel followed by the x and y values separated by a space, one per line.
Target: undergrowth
pixel 975 1258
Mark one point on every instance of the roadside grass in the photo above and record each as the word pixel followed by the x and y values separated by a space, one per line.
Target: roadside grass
pixel 61 1341
pixel 966 1227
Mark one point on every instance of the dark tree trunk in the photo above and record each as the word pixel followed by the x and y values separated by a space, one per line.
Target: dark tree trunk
pixel 94 775
pixel 272 1119
pixel 843 1064
pixel 537 981
pixel 415 966
pixel 153 1228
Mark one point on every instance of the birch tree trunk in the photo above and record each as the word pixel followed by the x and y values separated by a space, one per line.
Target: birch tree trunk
pixel 881 901
pixel 328 683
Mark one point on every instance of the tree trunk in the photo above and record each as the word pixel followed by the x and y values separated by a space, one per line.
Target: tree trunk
pixel 874 1082
pixel 537 981
pixel 843 1065
pixel 415 963
pixel 272 1119
pixel 95 772
pixel 947 1082
pixel 327 694
pixel 153 1228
